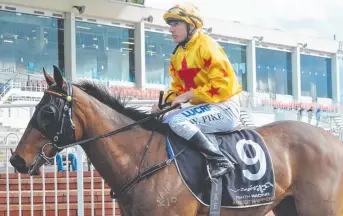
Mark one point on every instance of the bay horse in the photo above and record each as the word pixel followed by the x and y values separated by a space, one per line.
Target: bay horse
pixel 308 161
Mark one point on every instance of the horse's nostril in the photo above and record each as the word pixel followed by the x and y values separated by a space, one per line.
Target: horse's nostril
pixel 17 161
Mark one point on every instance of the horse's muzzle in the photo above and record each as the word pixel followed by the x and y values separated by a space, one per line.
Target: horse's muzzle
pixel 19 163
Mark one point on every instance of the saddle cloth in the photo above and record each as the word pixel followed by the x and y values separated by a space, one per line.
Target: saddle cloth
pixel 250 184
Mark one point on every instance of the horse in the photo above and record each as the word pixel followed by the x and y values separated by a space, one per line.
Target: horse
pixel 308 161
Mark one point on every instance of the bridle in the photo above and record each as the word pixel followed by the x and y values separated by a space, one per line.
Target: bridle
pixel 64 132
pixel 54 121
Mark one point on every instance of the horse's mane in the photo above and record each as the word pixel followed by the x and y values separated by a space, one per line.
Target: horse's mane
pixel 119 104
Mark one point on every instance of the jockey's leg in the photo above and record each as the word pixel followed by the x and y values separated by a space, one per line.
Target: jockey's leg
pixel 192 122
pixel 219 164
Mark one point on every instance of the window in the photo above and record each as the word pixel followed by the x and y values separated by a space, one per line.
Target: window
pixel 158 49
pixel 315 76
pixel 104 52
pixel 238 59
pixel 28 43
pixel 273 71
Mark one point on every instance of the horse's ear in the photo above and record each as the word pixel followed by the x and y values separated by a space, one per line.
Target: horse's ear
pixel 48 78
pixel 58 77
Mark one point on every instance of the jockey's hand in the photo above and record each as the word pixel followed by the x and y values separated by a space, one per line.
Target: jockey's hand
pixel 155 108
pixel 183 98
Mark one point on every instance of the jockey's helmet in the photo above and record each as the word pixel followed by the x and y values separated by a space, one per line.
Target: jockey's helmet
pixel 188 13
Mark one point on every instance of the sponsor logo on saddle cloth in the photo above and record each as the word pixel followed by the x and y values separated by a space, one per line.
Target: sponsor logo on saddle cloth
pixel 252 183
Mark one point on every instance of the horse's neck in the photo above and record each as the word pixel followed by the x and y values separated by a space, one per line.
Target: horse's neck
pixel 117 158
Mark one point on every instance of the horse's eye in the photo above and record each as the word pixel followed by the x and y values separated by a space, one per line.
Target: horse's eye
pixel 48 110
pixel 47 116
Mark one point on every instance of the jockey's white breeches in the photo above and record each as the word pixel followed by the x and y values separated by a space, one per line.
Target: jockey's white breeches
pixel 208 118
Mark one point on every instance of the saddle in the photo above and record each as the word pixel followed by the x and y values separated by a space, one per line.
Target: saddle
pixel 250 184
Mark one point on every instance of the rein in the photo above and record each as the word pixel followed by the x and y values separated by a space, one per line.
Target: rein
pixel 154 115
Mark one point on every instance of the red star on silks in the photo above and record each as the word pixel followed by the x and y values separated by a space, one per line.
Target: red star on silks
pixel 213 91
pixel 224 72
pixel 207 62
pixel 188 74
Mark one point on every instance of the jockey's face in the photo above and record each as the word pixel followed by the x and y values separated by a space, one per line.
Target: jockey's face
pixel 179 30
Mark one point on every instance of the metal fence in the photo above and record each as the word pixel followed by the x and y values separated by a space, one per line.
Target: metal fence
pixel 16 192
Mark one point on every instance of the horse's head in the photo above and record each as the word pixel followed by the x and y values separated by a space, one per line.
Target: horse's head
pixel 50 127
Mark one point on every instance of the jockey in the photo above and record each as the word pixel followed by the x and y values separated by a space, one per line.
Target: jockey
pixel 201 74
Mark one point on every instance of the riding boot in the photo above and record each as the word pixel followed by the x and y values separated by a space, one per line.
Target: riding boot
pixel 219 164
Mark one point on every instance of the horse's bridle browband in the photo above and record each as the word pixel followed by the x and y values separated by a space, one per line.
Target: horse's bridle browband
pixel 67 108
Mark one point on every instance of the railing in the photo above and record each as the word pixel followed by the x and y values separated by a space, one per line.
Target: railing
pixel 5 88
pixel 14 98
pixel 20 70
pixel 19 78
pixel 267 102
pixel 7 85
pixel 30 86
pixel 9 70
